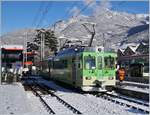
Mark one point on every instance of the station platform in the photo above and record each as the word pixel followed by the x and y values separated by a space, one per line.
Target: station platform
pixel 14 100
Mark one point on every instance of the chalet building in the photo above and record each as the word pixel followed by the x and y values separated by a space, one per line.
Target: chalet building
pixel 135 60
pixel 120 52
pixel 143 48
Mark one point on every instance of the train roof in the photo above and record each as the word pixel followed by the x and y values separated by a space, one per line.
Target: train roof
pixel 76 50
pixel 70 51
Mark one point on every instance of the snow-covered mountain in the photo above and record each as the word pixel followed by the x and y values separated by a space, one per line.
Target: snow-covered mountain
pixel 113 29
pixel 18 37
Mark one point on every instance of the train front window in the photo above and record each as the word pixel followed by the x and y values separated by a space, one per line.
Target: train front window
pixel 89 62
pixel 109 62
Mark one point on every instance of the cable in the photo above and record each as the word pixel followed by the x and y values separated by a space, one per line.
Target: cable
pixel 44 13
pixel 37 14
pixel 84 8
pixel 68 11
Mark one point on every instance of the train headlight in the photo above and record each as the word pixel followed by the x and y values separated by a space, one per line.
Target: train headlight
pixel 88 78
pixel 76 49
pixel 111 78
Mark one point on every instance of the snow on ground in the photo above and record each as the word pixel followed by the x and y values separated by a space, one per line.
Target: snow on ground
pixel 88 104
pixel 15 101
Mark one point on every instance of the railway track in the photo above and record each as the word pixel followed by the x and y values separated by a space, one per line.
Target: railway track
pixel 121 100
pixel 137 105
pixel 133 93
pixel 42 88
pixel 48 108
pixel 127 83
pixel 74 110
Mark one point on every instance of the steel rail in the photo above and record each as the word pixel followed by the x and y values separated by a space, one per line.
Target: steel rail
pixel 43 101
pixel 74 110
pixel 109 98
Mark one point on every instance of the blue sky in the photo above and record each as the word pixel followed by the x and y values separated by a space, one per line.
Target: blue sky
pixel 19 15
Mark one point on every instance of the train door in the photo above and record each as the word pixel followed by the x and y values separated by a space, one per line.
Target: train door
pixel 74 70
pixel 49 67
pixel 99 67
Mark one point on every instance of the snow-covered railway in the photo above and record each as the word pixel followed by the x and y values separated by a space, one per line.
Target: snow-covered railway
pixel 135 92
pixel 90 104
pixel 53 103
pixel 48 108
pixel 124 101
pixel 133 84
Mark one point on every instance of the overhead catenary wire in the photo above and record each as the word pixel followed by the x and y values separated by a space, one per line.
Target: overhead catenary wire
pixel 83 9
pixel 66 14
pixel 68 11
pixel 45 12
pixel 35 19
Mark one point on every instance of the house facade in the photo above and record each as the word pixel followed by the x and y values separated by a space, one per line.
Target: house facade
pixel 135 60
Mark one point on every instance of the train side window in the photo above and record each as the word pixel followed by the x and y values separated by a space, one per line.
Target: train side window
pixel 146 67
pixel 60 64
pixel 64 63
pixel 79 65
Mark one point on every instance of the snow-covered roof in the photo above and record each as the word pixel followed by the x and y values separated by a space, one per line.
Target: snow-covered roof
pixel 144 43
pixel 133 48
pixel 12 46
pixel 124 46
pixel 122 50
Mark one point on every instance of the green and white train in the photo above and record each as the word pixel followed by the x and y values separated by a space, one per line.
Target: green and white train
pixel 87 68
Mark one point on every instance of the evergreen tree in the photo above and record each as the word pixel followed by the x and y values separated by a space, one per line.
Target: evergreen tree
pixel 49 38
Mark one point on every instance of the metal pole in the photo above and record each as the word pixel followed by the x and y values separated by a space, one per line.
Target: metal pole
pixel 0 62
pixel 23 52
pixel 43 45
pixel 0 48
pixel 41 50
pixel 26 56
pixel 103 41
